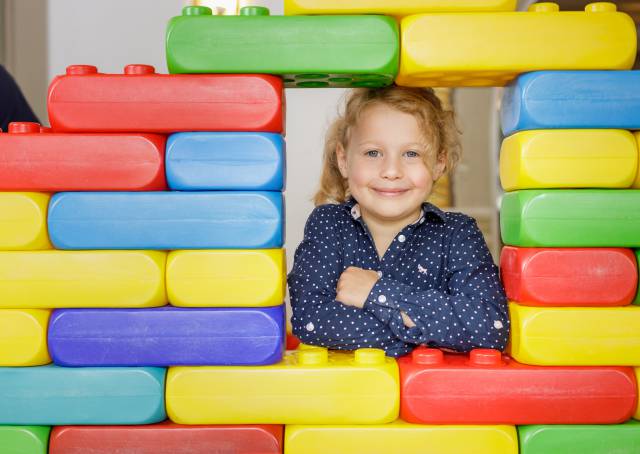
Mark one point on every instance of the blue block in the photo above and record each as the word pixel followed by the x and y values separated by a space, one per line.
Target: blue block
pixel 572 100
pixel 166 220
pixel 53 395
pixel 167 336
pixel 238 161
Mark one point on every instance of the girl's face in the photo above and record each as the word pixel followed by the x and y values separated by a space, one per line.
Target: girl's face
pixel 387 166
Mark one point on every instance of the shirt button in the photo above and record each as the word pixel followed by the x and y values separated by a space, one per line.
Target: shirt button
pixel 379 273
pixel 402 238
pixel 498 324
pixel 309 326
pixel 382 299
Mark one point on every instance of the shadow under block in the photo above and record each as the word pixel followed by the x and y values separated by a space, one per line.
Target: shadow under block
pixel 142 101
pixel 569 276
pixel 571 218
pixel 399 437
pixel 309 51
pixel 583 439
pixel 575 336
pixel 226 278
pixel 396 8
pixel 166 220
pixel 23 337
pixel 486 388
pixel 226 161
pixel 167 336
pixel 52 395
pixel 491 49
pixel 50 279
pixel 35 160
pixel 167 438
pixel 310 386
pixel 575 158
pixel 23 221
pixel 572 100
pixel 24 439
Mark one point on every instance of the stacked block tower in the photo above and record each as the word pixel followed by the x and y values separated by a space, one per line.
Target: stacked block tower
pixel 142 243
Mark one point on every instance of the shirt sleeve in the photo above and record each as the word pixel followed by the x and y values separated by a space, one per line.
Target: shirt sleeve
pixel 471 313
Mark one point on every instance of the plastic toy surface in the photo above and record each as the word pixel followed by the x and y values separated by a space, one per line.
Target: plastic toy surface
pixel 572 99
pixel 226 161
pixel 571 218
pixel 572 336
pixel 23 221
pixel 637 300
pixel 576 158
pixel 637 414
pixel 486 388
pixel 400 437
pixel 142 101
pixel 166 336
pixel 50 279
pixel 309 51
pixel 52 395
pixel 491 49
pixel 23 338
pixel 569 276
pixel 636 183
pixel 166 220
pixel 166 438
pixel 397 8
pixel 32 160
pixel 24 439
pixel 310 386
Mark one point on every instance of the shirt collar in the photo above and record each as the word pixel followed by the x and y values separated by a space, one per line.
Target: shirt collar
pixel 428 210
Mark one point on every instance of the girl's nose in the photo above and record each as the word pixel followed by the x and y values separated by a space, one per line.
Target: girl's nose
pixel 391 168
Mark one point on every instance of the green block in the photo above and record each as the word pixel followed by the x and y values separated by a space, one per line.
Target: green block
pixel 637 300
pixel 580 439
pixel 24 439
pixel 308 51
pixel 571 218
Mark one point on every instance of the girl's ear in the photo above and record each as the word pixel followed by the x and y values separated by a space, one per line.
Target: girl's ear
pixel 341 155
pixel 440 167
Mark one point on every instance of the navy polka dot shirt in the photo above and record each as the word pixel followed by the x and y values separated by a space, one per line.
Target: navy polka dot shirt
pixel 437 270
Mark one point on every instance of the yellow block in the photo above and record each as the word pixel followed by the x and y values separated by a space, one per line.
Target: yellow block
pixel 226 278
pixel 575 336
pixel 50 279
pixel 568 158
pixel 393 8
pixel 310 386
pixel 636 183
pixel 23 337
pixel 400 437
pixel 637 415
pixel 23 221
pixel 491 49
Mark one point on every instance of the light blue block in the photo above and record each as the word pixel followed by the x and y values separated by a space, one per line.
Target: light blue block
pixel 572 100
pixel 238 161
pixel 53 395
pixel 166 220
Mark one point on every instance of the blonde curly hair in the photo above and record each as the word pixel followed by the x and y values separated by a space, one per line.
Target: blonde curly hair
pixel 438 125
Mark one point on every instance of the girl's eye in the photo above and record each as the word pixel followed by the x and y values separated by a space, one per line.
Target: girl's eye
pixel 412 154
pixel 372 153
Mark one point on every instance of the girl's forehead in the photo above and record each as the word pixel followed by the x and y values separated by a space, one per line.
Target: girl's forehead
pixel 384 123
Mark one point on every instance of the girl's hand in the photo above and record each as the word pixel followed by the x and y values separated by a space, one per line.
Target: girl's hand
pixel 354 286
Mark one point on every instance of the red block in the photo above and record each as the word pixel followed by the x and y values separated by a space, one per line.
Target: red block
pixel 569 276
pixel 166 438
pixel 35 159
pixel 487 388
pixel 142 101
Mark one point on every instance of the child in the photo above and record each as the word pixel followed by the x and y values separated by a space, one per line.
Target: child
pixel 379 267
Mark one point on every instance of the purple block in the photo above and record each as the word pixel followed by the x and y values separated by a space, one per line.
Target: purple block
pixel 167 336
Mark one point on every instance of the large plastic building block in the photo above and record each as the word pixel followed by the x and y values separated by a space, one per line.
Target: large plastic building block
pixel 166 336
pixel 491 49
pixel 226 161
pixel 583 439
pixel 24 439
pixel 569 276
pixel 397 8
pixel 486 388
pixel 572 99
pixel 226 278
pixel 50 279
pixel 52 395
pixel 637 414
pixel 574 158
pixel 637 300
pixel 400 437
pixel 571 218
pixel 167 438
pixel 309 51
pixel 23 337
pixel 166 220
pixel 23 221
pixel 636 183
pixel 32 160
pixel 575 336
pixel 142 101
pixel 310 386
